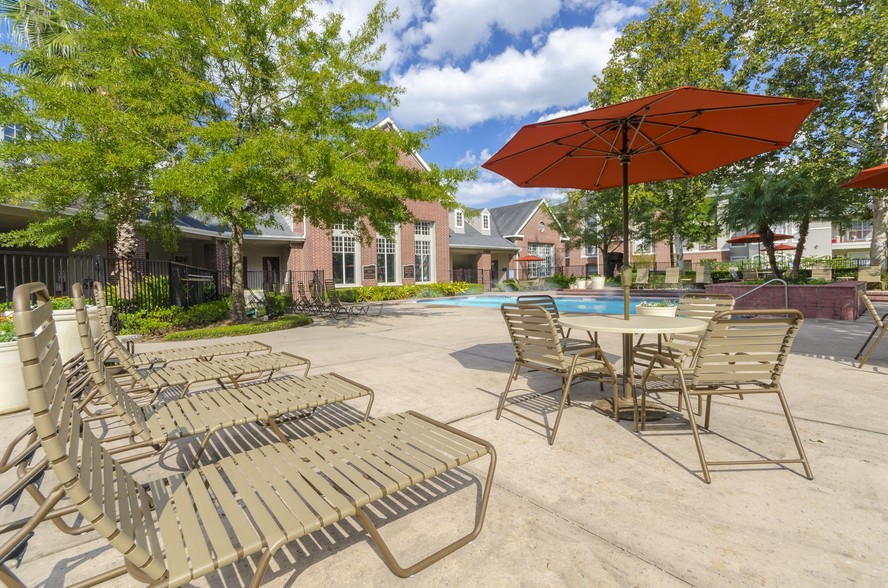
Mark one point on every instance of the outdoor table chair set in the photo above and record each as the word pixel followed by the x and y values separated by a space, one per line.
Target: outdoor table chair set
pixel 176 529
pixel 739 353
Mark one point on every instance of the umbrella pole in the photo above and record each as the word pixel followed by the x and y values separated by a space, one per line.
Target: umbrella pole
pixel 624 162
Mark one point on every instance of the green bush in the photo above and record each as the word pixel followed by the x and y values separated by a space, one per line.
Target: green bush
pixel 508 285
pixel 147 292
pixel 561 281
pixel 7 329
pixel 251 328
pixel 277 304
pixel 61 303
pixel 151 322
pixel 207 312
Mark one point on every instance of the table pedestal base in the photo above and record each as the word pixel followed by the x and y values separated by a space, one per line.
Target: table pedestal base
pixel 606 407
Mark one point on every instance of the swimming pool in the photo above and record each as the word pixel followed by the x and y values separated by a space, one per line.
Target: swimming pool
pixel 604 305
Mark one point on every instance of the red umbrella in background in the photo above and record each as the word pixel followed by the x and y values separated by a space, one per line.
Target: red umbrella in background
pixel 784 247
pixel 675 134
pixel 755 238
pixel 529 258
pixel 874 177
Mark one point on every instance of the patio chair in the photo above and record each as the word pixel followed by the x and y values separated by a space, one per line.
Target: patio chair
pixel 304 303
pixel 736 354
pixel 673 276
pixel 162 357
pixel 703 275
pixel 735 275
pixel 210 411
pixel 537 345
pixel 547 302
pixel 750 275
pixel 321 304
pixel 871 274
pixel 347 308
pixel 821 273
pixel 641 277
pixel 230 370
pixel 881 326
pixel 173 530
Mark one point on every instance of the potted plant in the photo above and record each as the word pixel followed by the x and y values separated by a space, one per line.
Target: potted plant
pixel 14 394
pixel 656 307
pixel 595 282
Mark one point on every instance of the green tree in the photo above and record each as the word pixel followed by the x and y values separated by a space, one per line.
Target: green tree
pixel 679 43
pixel 592 219
pixel 835 51
pixel 288 127
pixel 95 121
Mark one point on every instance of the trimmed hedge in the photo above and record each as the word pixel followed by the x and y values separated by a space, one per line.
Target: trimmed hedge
pixel 161 320
pixel 380 293
pixel 252 328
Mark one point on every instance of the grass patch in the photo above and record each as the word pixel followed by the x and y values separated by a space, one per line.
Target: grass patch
pixel 251 328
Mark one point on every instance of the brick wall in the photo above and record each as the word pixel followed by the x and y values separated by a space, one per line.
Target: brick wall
pixel 549 234
pixel 837 301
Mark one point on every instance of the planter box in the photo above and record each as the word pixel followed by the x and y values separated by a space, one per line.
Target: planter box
pixel 14 395
pixel 837 301
pixel 655 310
pixel 595 282
pixel 66 329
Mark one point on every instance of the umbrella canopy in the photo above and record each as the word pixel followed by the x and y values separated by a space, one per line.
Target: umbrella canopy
pixel 756 238
pixel 675 134
pixel 529 258
pixel 874 177
pixel 784 247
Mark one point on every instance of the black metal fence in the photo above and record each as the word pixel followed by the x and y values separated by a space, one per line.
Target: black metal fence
pixel 139 283
pixel 475 276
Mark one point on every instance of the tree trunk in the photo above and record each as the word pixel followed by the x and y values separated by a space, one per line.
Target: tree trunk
pixel 238 307
pixel 124 250
pixel 879 242
pixel 804 227
pixel 678 261
pixel 767 236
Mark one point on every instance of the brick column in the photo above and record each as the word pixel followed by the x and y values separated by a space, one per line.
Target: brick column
pixel 483 267
pixel 218 257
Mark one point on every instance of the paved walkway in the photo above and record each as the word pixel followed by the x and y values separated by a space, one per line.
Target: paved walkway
pixel 603 506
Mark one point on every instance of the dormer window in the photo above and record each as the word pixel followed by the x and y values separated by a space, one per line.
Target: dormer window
pixel 459 219
pixel 485 222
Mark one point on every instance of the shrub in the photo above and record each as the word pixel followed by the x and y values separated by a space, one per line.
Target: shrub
pixel 62 303
pixel 151 322
pixel 508 285
pixel 277 304
pixel 7 329
pixel 561 281
pixel 207 312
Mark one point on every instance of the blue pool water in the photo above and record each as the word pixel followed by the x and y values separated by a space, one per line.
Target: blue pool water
pixel 607 305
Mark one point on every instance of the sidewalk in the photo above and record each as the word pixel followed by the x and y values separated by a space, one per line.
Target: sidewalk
pixel 603 506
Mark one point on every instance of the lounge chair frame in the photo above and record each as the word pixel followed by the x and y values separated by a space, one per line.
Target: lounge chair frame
pixel 737 355
pixel 881 327
pixel 347 308
pixel 537 346
pixel 171 531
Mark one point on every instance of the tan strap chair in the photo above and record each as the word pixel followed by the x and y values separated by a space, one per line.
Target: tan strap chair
pixel 174 530
pixel 881 326
pixel 304 302
pixel 673 276
pixel 348 308
pixel 642 275
pixel 161 358
pixel 703 274
pixel 871 274
pixel 230 370
pixel 211 411
pixel 741 352
pixel 537 345
pixel 821 273
pixel 547 302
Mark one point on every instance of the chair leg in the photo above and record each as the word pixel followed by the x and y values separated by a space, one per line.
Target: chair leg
pixel 795 433
pixel 873 347
pixel 868 339
pixel 697 441
pixel 565 399
pixel 514 374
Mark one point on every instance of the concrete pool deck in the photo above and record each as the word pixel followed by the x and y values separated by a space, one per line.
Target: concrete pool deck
pixel 603 506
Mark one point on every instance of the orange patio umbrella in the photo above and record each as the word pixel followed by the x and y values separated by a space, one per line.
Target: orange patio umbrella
pixel 874 177
pixel 675 134
pixel 755 238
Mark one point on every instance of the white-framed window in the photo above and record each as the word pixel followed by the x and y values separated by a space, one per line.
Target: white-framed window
pixel 861 230
pixel 485 221
pixel 424 237
pixel 590 251
pixel 345 260
pixel 542 226
pixel 11 132
pixel 541 269
pixel 460 219
pixel 645 245
pixel 387 259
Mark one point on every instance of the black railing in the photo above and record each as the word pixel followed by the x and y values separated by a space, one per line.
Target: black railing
pixel 475 276
pixel 57 270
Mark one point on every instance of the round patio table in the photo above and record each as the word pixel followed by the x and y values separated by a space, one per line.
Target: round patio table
pixel 635 325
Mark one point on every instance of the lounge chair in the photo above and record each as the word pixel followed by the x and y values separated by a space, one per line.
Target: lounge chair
pixel 231 370
pixel 673 276
pixel 881 327
pixel 641 277
pixel 870 274
pixel 750 275
pixel 211 411
pixel 737 355
pixel 320 303
pixel 703 275
pixel 173 530
pixel 821 273
pixel 162 357
pixel 537 345
pixel 304 303
pixel 347 308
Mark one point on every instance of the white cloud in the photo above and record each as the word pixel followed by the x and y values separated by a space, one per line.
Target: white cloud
pixel 470 159
pixel 490 188
pixel 511 84
pixel 459 26
pixel 561 113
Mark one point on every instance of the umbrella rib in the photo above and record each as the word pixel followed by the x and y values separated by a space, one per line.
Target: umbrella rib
pixel 698 130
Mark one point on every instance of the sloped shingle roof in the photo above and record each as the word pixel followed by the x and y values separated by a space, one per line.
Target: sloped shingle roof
pixel 510 219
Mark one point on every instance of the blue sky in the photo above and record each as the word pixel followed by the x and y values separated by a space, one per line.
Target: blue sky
pixel 484 68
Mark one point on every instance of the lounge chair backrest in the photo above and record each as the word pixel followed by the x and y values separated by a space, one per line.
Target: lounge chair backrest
pixel 300 289
pixel 110 500
pixel 641 276
pixel 869 306
pixel 821 273
pixel 738 350
pixel 534 335
pixel 330 289
pixel 543 300
pixel 735 275
pixel 108 387
pixel 317 293
pixel 750 275
pixel 672 275
pixel 120 351
pixel 870 274
pixel 703 274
